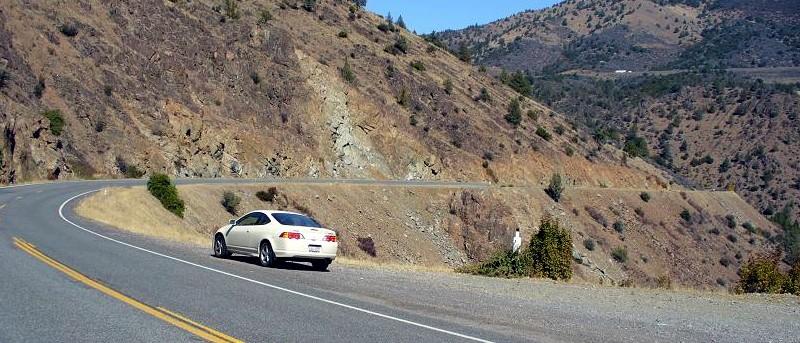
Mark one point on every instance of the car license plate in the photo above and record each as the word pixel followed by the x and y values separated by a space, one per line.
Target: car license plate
pixel 314 248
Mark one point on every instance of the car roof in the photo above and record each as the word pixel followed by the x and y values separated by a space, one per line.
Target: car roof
pixel 276 211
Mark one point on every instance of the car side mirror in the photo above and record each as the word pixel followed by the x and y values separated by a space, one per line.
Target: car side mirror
pixel 232 222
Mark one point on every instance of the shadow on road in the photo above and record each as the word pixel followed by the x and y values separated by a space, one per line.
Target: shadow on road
pixel 287 265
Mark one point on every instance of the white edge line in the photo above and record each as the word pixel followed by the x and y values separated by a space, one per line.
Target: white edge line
pixel 354 308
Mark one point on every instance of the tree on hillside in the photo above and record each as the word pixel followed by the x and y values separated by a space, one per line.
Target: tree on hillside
pixel 400 22
pixel 464 53
pixel 360 3
pixel 514 116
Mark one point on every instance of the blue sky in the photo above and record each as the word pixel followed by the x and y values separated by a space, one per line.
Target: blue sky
pixel 426 16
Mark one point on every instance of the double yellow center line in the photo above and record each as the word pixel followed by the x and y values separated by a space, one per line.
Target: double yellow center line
pixel 170 317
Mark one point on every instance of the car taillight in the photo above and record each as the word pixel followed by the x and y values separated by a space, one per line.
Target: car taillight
pixel 330 238
pixel 291 235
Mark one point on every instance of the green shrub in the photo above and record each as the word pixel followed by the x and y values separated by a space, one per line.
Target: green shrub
pixel 69 30
pixel 514 116
pixel 730 221
pixel 448 86
pixel 347 72
pixel 533 115
pixel 749 227
pixel 162 188
pixel 484 95
pixel 793 280
pixel 645 196
pixel 264 17
pixel 619 226
pixel 620 254
pixel 686 216
pixel 230 202
pixel 556 187
pixel 548 254
pixel 404 99
pixel 4 77
pixel 761 275
pixel 231 9
pixel 400 46
pixel 551 251
pixel 636 147
pixel 56 121
pixel 542 132
pixel 342 34
pixel 589 244
pixel 418 65
pixel 268 196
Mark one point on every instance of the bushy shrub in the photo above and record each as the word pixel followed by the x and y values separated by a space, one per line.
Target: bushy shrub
pixel 56 121
pixel 645 196
pixel 749 227
pixel 484 95
pixel 400 46
pixel 730 220
pixel 619 226
pixel 347 72
pixel 636 147
pixel 555 188
pixel 793 280
pixel 550 251
pixel 230 201
pixel 131 172
pixel 162 188
pixel 231 9
pixel 589 244
pixel 514 116
pixel 548 254
pixel 620 254
pixel 268 196
pixel 4 77
pixel 69 30
pixel 367 245
pixel 686 216
pixel 542 132
pixel 342 34
pixel 761 275
pixel 418 65
pixel 448 86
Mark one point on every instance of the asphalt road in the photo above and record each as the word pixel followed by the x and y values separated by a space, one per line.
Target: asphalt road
pixel 132 288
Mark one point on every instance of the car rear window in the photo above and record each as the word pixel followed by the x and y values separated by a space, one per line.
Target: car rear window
pixel 295 220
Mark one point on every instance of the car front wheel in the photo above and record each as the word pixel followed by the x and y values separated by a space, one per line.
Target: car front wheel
pixel 265 255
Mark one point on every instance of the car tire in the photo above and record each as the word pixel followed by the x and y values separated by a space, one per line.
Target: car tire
pixel 266 257
pixel 321 265
pixel 220 248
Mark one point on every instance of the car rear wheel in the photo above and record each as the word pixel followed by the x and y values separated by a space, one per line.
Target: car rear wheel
pixel 220 249
pixel 265 255
pixel 321 265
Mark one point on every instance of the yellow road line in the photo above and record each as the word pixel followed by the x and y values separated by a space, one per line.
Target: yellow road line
pixel 210 330
pixel 192 327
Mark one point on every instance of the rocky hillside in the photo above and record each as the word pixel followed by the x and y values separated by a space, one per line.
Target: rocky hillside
pixel 687 104
pixel 620 236
pixel 639 35
pixel 267 89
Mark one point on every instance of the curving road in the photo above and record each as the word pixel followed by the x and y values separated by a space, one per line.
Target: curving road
pixel 68 279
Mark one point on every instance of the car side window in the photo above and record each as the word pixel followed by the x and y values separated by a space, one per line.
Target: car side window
pixel 250 219
pixel 263 219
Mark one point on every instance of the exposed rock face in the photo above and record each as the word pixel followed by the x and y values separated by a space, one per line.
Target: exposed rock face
pixel 483 225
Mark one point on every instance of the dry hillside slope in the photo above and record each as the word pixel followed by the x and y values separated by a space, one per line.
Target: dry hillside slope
pixel 265 89
pixel 448 227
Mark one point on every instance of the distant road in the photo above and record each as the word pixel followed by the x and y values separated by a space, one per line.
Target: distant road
pixel 772 75
pixel 67 279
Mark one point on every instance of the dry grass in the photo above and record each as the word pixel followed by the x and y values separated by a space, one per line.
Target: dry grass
pixel 134 210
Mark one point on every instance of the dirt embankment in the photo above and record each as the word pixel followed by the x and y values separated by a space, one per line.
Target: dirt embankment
pixel 448 227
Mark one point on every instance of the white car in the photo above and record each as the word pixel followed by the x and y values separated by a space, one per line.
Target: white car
pixel 277 235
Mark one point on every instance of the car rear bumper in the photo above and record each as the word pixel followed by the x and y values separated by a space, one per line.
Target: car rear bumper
pixel 286 248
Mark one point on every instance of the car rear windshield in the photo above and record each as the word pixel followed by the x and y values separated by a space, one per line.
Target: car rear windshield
pixel 295 220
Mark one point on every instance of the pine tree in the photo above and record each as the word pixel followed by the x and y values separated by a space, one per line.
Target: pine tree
pixel 400 22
